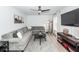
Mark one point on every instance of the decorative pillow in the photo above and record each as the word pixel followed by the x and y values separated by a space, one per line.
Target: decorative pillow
pixel 19 34
pixel 15 34
pixel 21 31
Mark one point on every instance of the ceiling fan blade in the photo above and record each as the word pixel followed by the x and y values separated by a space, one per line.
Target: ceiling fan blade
pixel 45 10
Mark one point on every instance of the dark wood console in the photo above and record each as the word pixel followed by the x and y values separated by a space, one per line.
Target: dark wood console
pixel 71 41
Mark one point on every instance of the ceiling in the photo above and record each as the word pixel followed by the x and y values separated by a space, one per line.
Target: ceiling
pixel 28 9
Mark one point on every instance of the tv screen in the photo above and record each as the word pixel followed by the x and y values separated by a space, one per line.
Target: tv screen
pixel 70 18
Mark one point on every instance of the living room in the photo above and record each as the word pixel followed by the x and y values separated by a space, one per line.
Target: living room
pixel 18 21
pixel 39 29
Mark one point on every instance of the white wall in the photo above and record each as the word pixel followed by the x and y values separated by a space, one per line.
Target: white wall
pixel 72 30
pixel 55 23
pixel 7 19
pixel 38 20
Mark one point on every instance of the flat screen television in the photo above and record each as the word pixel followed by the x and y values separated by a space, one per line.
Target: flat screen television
pixel 70 18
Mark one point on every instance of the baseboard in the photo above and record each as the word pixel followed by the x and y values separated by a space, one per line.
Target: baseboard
pixel 16 50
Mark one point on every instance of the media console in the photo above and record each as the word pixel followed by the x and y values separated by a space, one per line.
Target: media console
pixel 69 40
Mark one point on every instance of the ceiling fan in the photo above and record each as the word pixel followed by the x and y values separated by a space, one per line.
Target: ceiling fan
pixel 40 10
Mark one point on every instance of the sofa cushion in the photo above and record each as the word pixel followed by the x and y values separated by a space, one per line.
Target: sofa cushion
pixel 24 30
pixel 8 35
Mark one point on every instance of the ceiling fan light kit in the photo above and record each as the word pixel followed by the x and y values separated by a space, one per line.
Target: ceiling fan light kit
pixel 40 10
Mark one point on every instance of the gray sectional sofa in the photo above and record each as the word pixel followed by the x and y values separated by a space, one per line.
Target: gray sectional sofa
pixel 15 43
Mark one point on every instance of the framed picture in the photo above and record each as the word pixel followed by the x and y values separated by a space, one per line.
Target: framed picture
pixel 18 19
